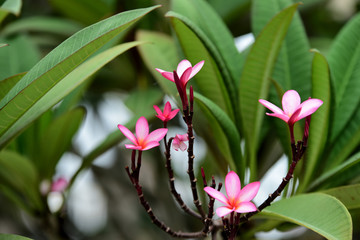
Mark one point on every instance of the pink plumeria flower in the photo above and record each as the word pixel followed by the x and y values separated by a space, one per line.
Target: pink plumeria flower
pixel 237 200
pixel 178 142
pixel 293 109
pixel 59 185
pixel 167 115
pixel 184 72
pixel 143 140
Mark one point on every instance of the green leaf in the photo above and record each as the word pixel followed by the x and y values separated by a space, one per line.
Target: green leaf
pixel 12 237
pixel 57 139
pixel 45 24
pixel 319 212
pixel 8 83
pixel 228 127
pixel 10 6
pixel 255 79
pixel 12 58
pixel 56 65
pixel 348 195
pixel 160 52
pixel 338 175
pixel 318 131
pixel 18 173
pixel 344 61
pixel 209 81
pixel 231 10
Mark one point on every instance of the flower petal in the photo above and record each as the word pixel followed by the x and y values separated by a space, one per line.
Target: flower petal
pixel 271 106
pixel 249 192
pixel 173 113
pixel 185 77
pixel 281 116
pixel 222 211
pixel 245 207
pixel 183 146
pixel 290 102
pixel 167 75
pixel 309 106
pixel 196 68
pixel 294 117
pixel 142 129
pixel 157 109
pixel 128 133
pixel 156 135
pixel 217 195
pixel 149 145
pixel 182 66
pixel 135 147
pixel 167 108
pixel 232 186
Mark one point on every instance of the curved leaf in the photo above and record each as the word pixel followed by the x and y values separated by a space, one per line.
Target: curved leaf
pixel 348 195
pixel 57 64
pixel 230 130
pixel 344 61
pixel 320 120
pixel 12 237
pixel 319 212
pixel 255 79
pixel 8 83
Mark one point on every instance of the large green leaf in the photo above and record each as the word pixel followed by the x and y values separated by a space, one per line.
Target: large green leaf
pixel 8 83
pixel 344 61
pixel 20 176
pixel 209 80
pixel 161 53
pixel 348 195
pixel 255 79
pixel 320 120
pixel 12 237
pixel 319 212
pixel 338 175
pixel 56 65
pixel 57 139
pixel 228 127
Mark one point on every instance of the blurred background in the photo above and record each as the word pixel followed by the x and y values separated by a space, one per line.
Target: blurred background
pixel 102 204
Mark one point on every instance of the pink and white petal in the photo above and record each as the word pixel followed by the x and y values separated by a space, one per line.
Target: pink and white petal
pixel 161 117
pixel 290 102
pixel 246 207
pixel 176 144
pixel 158 110
pixel 309 106
pixel 156 135
pixel 217 195
pixel 173 113
pixel 232 186
pixel 168 76
pixel 271 106
pixel 185 77
pixel 249 192
pixel 182 146
pixel 142 129
pixel 294 117
pixel 127 133
pixel 196 68
pixel 281 116
pixel 150 145
pixel 130 146
pixel 167 108
pixel 223 211
pixel 182 66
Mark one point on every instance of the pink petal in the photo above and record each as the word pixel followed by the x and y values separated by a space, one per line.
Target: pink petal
pixel 167 108
pixel 294 117
pixel 156 135
pixel 168 75
pixel 183 146
pixel 142 129
pixel 176 144
pixel 185 77
pixel 182 66
pixel 233 186
pixel 135 147
pixel 290 102
pixel 281 116
pixel 127 133
pixel 271 106
pixel 217 195
pixel 309 106
pixel 222 211
pixel 150 145
pixel 196 68
pixel 59 185
pixel 157 109
pixel 245 207
pixel 173 113
pixel 249 192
